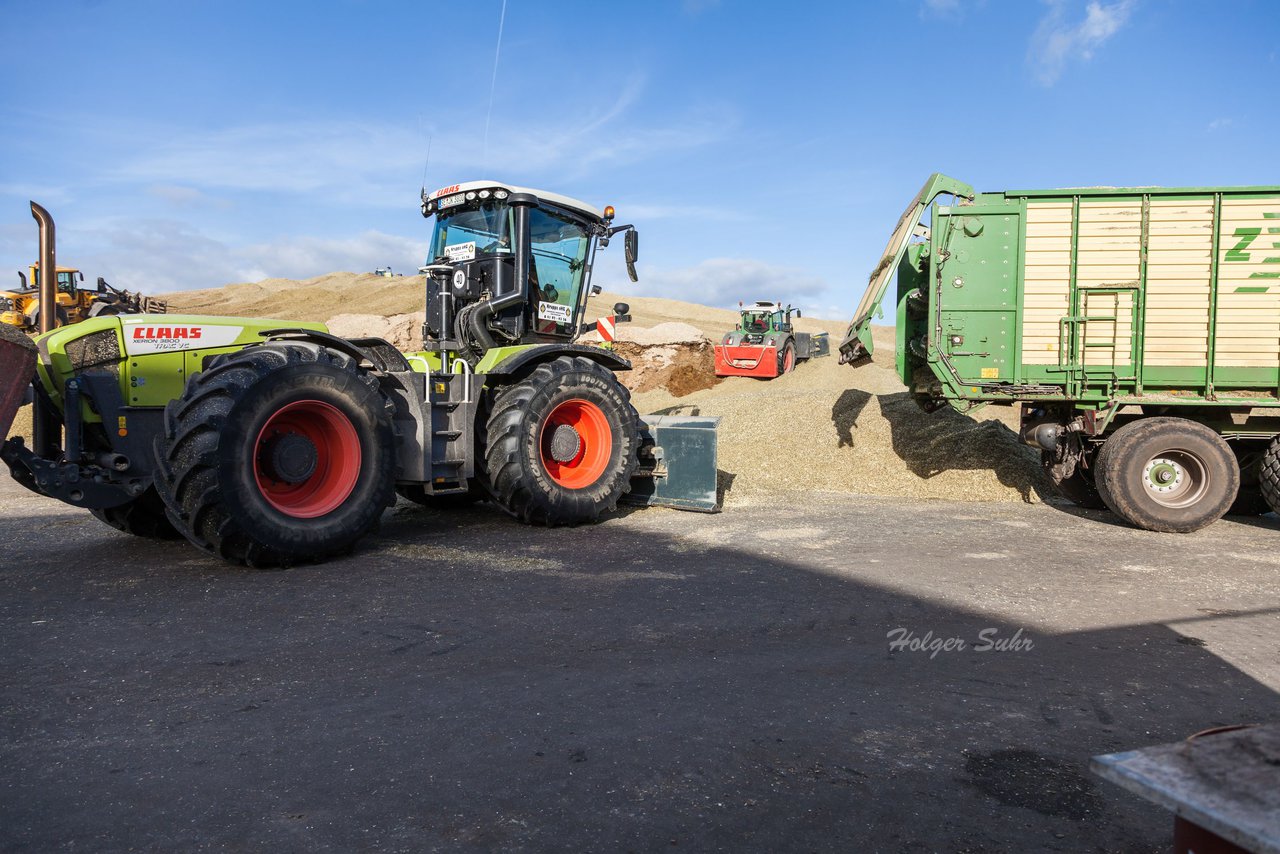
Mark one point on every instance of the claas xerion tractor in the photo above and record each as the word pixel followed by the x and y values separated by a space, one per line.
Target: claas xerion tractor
pixel 271 442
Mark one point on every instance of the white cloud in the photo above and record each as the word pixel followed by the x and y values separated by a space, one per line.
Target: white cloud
pixel 165 255
pixel 1220 123
pixel 720 282
pixel 371 163
pixel 186 197
pixel 304 257
pixel 1058 41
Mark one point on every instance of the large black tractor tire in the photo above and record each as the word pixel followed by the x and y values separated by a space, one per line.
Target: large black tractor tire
pixel 143 516
pixel 1269 475
pixel 560 446
pixel 787 358
pixel 1167 474
pixel 277 454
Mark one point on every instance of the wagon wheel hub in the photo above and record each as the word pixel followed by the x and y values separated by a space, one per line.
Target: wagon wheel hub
pixel 1164 475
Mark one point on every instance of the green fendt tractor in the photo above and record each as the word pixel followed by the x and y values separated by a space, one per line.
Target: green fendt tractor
pixel 272 442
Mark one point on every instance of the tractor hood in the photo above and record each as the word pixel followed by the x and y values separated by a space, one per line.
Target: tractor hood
pixel 857 345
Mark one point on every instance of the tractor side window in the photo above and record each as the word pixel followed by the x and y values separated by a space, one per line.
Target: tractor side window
pixel 559 256
pixel 473 231
pixel 780 322
pixel 67 283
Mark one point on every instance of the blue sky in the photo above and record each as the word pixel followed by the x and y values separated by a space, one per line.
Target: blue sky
pixel 764 150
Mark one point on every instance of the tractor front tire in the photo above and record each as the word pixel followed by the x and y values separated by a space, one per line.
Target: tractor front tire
pixel 143 516
pixel 278 454
pixel 1167 474
pixel 561 444
pixel 787 358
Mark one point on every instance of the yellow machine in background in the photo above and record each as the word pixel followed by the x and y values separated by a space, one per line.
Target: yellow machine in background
pixel 20 307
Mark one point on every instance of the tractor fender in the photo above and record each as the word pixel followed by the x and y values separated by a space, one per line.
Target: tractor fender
pixel 360 349
pixel 377 354
pixel 525 360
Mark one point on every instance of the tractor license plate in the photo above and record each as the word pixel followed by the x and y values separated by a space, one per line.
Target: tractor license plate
pixel 450 201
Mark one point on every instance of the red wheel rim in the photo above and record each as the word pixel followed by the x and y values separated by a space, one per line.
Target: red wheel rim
pixel 595 444
pixel 788 361
pixel 336 458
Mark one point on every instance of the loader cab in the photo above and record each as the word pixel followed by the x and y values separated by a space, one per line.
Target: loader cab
pixel 68 279
pixel 519 257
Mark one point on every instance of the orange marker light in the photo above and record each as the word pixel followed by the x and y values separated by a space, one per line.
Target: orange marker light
pixel 608 211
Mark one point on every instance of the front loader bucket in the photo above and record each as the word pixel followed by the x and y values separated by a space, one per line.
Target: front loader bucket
pixel 677 463
pixel 17 367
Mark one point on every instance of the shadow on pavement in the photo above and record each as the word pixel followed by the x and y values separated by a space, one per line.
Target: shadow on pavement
pixel 465 682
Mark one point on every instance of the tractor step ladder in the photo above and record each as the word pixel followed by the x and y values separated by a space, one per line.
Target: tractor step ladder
pixel 454 400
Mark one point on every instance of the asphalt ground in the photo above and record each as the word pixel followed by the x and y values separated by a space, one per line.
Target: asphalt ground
pixel 660 680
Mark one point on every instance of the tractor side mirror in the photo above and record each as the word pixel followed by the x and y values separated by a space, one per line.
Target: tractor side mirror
pixel 595 290
pixel 631 244
pixel 798 314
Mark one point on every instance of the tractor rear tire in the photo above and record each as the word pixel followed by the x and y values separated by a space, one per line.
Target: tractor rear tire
pixel 278 454
pixel 1167 474
pixel 560 446
pixel 143 516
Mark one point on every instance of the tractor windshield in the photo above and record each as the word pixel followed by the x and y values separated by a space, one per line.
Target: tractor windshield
pixel 559 247
pixel 466 232
pixel 756 321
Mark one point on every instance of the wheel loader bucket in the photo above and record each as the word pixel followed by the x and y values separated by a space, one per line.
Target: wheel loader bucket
pixel 17 367
pixel 677 463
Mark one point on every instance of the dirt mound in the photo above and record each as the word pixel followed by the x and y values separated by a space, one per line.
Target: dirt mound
pixel 830 427
pixel 672 356
pixel 404 331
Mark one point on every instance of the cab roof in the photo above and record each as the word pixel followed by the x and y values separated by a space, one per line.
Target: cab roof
pixel 545 195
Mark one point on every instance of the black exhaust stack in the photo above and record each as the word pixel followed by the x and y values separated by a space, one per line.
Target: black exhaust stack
pixel 46 432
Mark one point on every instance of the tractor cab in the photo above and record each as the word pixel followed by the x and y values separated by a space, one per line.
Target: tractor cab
pixel 763 318
pixel 508 265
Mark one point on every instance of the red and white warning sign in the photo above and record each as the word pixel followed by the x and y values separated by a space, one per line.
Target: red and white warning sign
pixel 605 326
